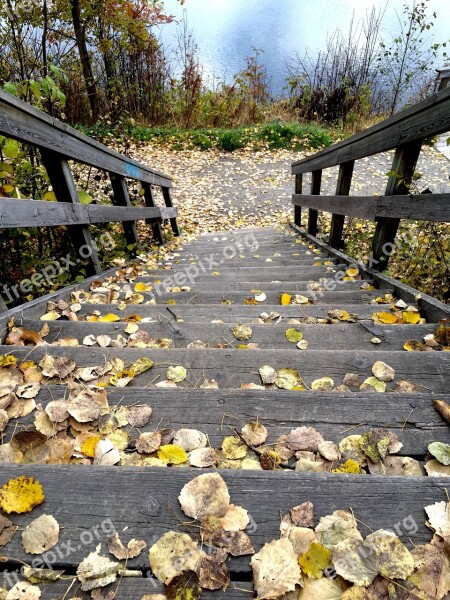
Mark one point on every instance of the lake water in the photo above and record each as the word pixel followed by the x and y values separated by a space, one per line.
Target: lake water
pixel 227 30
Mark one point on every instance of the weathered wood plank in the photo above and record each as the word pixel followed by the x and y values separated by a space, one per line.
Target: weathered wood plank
pixel 298 208
pixel 345 335
pixel 63 185
pixel 403 167
pixel 427 118
pixel 169 203
pixel 335 415
pixel 142 503
pixel 231 368
pixel 426 207
pixel 343 185
pixel 25 123
pixel 121 197
pixel 316 183
pixel 38 213
pixel 239 297
pixel 228 314
pixel 154 223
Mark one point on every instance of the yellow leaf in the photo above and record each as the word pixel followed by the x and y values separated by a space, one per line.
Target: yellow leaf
pixel 140 287
pixel 294 335
pixel 8 361
pixel 173 454
pixel 141 365
pixel 414 346
pixel 352 272
pixel 50 316
pixel 315 560
pixel 109 318
pixel 411 317
pixel 385 317
pixel 88 446
pixel 285 299
pixel 350 466
pixel 21 495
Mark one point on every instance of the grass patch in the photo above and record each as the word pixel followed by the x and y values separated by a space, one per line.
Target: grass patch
pixel 269 136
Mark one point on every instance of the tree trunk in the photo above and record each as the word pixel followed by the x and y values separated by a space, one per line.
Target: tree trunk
pixel 80 36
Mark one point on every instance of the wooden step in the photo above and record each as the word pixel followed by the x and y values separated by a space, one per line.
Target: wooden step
pixel 217 412
pixel 233 313
pixel 272 336
pixel 142 504
pixel 231 368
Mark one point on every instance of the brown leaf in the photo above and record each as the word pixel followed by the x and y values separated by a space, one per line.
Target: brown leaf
pixel 7 530
pixel 132 549
pixel 303 515
pixel 205 495
pixel 40 535
pixel 214 573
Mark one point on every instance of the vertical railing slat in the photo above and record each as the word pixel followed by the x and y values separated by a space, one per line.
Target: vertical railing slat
pixel 155 224
pixel 168 202
pixel 121 197
pixel 298 190
pixel 316 183
pixel 343 186
pixel 404 164
pixel 60 175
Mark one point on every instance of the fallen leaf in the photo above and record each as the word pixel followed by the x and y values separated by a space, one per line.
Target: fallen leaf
pixel 233 448
pixel 214 574
pixel 440 451
pixel 315 560
pixel 439 518
pixel 304 438
pixel 21 495
pixel 202 457
pixel 172 454
pixel 121 552
pixel 254 433
pixel 96 571
pixel 206 495
pixel 173 554
pixel 289 379
pixel 268 375
pixel 325 384
pixel 242 332
pixel 294 335
pixel 40 535
pixel 190 439
pixel 184 587
pixel 23 590
pixel 7 530
pixel 148 442
pixel 275 569
pixel 176 374
pixel 105 453
pixel 382 371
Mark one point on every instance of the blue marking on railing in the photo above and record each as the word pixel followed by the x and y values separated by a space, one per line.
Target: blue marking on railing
pixel 132 171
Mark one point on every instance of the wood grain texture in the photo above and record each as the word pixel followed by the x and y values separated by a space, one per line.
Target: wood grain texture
pixel 343 336
pixel 39 213
pixel 231 368
pixel 144 502
pixel 426 207
pixel 335 415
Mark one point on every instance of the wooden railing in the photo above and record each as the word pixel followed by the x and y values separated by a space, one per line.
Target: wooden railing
pixel 405 132
pixel 59 143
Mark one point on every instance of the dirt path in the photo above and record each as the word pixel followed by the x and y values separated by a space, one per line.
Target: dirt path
pixel 217 190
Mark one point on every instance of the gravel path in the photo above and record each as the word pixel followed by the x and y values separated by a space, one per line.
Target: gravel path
pixel 216 190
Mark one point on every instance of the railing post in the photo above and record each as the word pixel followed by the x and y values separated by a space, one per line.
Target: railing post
pixel 316 182
pixel 155 224
pixel 121 197
pixel 63 185
pixel 168 202
pixel 298 190
pixel 404 164
pixel 344 183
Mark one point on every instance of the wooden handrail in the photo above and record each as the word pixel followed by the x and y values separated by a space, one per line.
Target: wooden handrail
pixel 427 118
pixel 58 144
pixel 38 213
pixel 25 123
pixel 405 132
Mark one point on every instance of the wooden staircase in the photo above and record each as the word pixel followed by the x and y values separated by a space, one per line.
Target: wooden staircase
pixel 185 307
pixel 141 501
